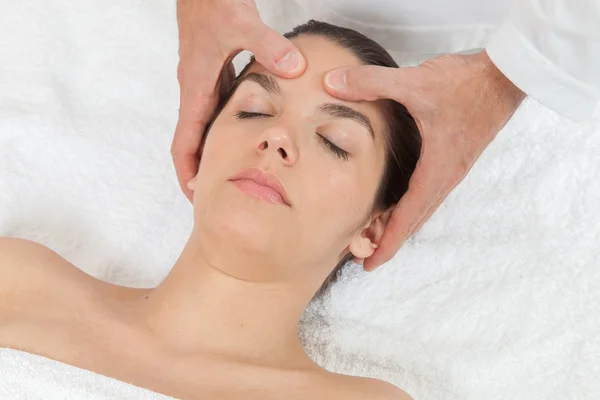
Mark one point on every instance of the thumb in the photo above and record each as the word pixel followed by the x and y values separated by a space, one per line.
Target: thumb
pixel 275 52
pixel 369 83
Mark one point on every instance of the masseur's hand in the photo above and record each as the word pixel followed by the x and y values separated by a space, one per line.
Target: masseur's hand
pixel 211 33
pixel 459 103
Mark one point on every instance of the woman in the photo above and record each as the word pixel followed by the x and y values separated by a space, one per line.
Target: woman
pixel 291 183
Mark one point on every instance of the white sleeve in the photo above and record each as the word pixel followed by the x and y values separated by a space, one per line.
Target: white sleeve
pixel 550 49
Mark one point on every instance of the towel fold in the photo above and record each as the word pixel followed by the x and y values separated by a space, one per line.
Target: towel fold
pixel 26 376
pixel 496 298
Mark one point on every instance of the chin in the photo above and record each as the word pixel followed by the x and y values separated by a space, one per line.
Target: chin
pixel 244 225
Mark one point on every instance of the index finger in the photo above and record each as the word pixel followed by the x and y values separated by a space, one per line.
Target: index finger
pixel 184 152
pixel 195 112
pixel 185 148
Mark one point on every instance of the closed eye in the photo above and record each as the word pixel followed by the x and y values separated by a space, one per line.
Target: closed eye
pixel 250 115
pixel 340 153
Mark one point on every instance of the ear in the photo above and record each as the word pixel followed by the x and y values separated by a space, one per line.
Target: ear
pixel 192 183
pixel 365 242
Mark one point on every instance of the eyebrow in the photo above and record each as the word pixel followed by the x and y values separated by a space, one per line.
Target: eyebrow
pixel 342 111
pixel 269 84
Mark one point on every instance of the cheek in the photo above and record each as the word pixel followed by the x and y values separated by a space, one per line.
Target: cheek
pixel 215 165
pixel 337 201
pixel 217 151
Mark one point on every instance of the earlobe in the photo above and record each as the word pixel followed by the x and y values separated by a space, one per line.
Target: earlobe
pixel 362 247
pixel 364 243
pixel 192 183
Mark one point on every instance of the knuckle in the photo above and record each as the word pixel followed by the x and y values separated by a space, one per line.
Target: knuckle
pixel 175 151
pixel 372 75
pixel 462 169
pixel 366 80
pixel 175 154
pixel 263 43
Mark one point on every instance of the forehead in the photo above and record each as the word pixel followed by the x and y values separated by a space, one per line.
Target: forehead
pixel 322 55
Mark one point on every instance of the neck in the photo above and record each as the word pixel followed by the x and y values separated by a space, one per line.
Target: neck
pixel 200 308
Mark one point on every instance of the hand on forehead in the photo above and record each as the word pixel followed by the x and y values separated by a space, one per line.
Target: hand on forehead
pixel 307 90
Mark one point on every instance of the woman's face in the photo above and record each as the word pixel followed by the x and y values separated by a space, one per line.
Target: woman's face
pixel 327 153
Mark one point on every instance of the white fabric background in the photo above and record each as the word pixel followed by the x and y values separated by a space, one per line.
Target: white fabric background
pixel 496 298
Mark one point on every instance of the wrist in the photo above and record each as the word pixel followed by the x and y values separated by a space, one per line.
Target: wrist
pixel 506 88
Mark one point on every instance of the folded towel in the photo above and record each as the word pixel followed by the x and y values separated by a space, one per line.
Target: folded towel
pixel 26 376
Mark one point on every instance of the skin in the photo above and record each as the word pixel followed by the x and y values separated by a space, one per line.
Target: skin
pixel 223 323
pixel 211 34
pixel 460 103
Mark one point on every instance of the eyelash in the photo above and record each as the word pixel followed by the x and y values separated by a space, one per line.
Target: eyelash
pixel 339 153
pixel 250 115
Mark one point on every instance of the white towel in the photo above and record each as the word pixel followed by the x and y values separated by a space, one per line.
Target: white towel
pixel 25 376
pixel 496 298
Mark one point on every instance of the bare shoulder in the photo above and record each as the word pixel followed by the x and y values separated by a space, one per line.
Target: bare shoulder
pixel 382 390
pixel 369 388
pixel 29 271
pixel 22 261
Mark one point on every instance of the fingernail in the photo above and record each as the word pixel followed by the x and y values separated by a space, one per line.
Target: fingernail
pixel 336 79
pixel 290 62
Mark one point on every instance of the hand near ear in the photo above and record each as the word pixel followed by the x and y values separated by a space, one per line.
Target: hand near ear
pixel 365 243
pixel 459 102
pixel 211 34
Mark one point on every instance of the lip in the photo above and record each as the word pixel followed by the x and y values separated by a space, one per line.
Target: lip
pixel 262 185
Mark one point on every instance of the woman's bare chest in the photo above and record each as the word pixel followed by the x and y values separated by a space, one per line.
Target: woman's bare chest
pixel 125 357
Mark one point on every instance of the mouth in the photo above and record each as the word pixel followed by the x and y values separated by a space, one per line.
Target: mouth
pixel 262 185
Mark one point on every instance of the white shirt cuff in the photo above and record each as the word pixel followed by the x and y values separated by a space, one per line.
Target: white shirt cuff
pixel 538 77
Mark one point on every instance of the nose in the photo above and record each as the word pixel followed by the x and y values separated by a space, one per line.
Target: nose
pixel 276 141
